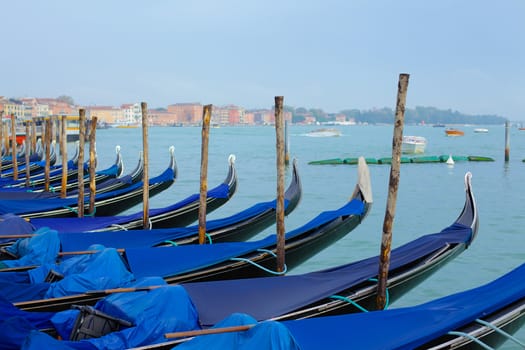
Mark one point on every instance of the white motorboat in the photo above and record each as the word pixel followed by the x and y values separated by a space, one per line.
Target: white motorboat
pixel 413 144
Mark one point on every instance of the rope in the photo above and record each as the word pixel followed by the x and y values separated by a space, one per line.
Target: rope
pixel 260 266
pixel 350 301
pixel 174 244
pixel 501 331
pixel 474 339
pixel 209 238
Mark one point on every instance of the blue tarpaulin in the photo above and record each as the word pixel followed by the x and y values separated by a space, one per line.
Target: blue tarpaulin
pixel 40 249
pixel 152 314
pixel 101 270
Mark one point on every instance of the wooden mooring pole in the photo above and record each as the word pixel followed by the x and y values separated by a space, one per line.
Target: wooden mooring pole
pixel 47 145
pixel 279 132
pixel 92 165
pixel 286 144
pixel 386 240
pixel 63 153
pixel 206 118
pixel 13 147
pixel 80 164
pixel 507 141
pixel 27 149
pixel 145 175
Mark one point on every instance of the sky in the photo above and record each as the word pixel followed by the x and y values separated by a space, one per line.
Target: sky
pixel 463 55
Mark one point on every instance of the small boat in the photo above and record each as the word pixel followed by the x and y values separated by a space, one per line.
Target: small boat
pixel 192 306
pixel 454 132
pixel 413 145
pixel 481 130
pixel 325 132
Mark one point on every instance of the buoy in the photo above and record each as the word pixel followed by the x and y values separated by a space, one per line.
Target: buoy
pixel 450 161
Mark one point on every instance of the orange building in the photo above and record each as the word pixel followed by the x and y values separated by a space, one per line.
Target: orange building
pixel 187 113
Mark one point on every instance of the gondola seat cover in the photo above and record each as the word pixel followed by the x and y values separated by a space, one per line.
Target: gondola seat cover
pixel 152 313
pixel 101 270
pixel 40 249
pixel 11 224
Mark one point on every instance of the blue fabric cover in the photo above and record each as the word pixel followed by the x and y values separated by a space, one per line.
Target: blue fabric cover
pixel 263 336
pixel 23 206
pixel 152 313
pixel 170 261
pixel 296 291
pixel 102 270
pixel 40 249
pixel 408 328
pixel 72 241
pixel 94 223
pixel 11 224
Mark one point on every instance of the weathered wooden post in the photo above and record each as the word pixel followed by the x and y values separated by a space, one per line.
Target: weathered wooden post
pixel 1 139
pixel 145 175
pixel 13 147
pixel 47 145
pixel 507 141
pixel 33 136
pixel 279 124
pixel 63 152
pixel 206 117
pixel 286 144
pixel 80 164
pixel 386 240
pixel 27 149
pixel 92 165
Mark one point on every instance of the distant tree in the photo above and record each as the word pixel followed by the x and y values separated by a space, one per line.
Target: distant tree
pixel 67 99
pixel 301 110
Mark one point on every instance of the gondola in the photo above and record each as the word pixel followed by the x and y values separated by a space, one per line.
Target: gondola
pixel 106 180
pixel 6 177
pixel 190 262
pixel 480 318
pixel 37 156
pixel 179 214
pixel 36 171
pixel 237 227
pixel 191 306
pixel 37 182
pixel 108 203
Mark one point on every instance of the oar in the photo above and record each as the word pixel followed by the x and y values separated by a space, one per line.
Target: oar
pixel 125 290
pixel 81 252
pixel 28 235
pixel 208 331
pixel 18 268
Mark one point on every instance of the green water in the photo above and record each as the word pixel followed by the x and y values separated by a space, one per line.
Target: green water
pixel 430 196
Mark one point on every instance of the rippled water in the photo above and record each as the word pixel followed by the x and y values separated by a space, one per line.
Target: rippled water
pixel 430 196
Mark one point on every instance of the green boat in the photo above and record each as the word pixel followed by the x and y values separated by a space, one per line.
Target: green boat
pixel 480 159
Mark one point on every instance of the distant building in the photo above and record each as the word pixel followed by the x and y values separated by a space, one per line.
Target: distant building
pixel 131 114
pixel 187 113
pixel 162 117
pixel 105 114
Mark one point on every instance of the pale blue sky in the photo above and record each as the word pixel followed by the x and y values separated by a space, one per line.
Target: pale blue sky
pixel 464 55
